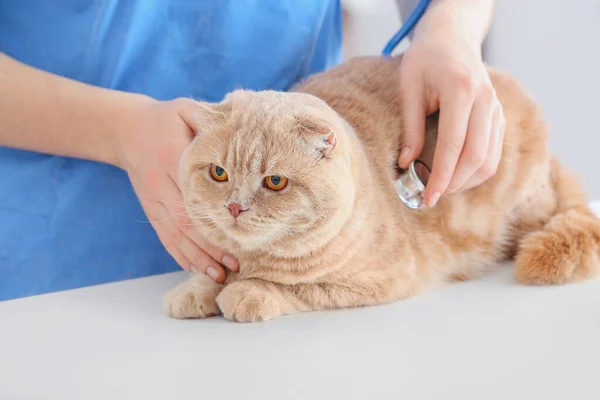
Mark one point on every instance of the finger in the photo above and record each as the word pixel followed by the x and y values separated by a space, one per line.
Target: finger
pixel 198 261
pixel 187 109
pixel 173 250
pixel 184 224
pixel 414 113
pixel 201 261
pixel 157 216
pixel 226 259
pixel 494 152
pixel 455 108
pixel 477 142
pixel 163 215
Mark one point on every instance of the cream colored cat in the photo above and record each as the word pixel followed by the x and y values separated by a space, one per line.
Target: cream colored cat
pixel 299 186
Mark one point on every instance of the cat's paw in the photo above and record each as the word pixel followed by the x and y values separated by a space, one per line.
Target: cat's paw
pixel 194 298
pixel 247 301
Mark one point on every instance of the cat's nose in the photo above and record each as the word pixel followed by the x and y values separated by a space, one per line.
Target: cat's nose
pixel 236 209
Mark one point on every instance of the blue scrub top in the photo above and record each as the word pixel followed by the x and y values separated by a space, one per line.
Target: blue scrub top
pixel 67 223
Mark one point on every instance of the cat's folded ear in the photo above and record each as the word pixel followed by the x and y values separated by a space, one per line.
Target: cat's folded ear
pixel 203 117
pixel 319 134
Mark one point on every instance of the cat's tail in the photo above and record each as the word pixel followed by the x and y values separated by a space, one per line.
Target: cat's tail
pixel 567 248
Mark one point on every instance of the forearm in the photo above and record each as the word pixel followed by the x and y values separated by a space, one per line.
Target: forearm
pixel 47 113
pixel 469 19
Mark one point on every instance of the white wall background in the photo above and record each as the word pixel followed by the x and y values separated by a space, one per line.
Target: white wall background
pixel 552 46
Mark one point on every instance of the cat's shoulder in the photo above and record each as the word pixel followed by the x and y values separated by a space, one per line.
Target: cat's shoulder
pixel 361 71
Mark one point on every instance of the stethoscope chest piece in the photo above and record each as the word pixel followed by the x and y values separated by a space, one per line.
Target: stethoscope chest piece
pixel 412 183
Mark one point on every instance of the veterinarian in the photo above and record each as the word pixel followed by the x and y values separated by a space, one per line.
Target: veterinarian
pixel 95 111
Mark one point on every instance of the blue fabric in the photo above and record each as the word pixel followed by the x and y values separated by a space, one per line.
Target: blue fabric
pixel 67 223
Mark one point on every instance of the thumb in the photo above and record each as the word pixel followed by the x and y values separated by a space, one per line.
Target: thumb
pixel 181 132
pixel 188 110
pixel 414 114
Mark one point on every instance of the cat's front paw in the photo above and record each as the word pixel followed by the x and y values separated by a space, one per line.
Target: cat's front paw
pixel 248 301
pixel 194 298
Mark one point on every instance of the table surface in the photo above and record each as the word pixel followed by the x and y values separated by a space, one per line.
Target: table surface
pixel 484 339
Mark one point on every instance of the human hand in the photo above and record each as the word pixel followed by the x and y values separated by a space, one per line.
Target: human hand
pixel 150 150
pixel 444 72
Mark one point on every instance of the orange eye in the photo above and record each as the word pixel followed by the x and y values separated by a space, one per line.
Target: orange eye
pixel 276 182
pixel 218 173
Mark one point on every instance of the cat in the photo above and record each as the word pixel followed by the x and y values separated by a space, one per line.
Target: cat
pixel 299 186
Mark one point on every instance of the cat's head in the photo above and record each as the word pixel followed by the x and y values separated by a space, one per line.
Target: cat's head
pixel 269 171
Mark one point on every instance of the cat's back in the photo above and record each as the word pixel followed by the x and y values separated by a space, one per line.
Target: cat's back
pixel 363 90
pixel 359 75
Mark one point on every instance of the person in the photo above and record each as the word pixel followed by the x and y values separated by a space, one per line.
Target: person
pixel 96 108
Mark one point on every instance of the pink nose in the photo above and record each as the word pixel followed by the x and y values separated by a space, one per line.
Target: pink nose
pixel 235 209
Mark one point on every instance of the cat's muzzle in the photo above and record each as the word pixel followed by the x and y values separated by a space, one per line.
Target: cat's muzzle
pixel 412 183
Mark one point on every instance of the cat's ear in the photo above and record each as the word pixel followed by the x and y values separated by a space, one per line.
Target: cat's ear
pixel 202 116
pixel 319 134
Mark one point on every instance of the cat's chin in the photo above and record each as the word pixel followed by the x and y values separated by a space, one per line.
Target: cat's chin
pixel 245 236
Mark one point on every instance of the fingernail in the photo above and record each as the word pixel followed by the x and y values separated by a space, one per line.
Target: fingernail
pixel 433 199
pixel 194 269
pixel 212 272
pixel 230 262
pixel 404 153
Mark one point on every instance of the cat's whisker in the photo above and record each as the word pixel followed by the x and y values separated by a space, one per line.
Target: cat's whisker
pixel 197 221
pixel 200 218
pixel 191 211
pixel 182 214
pixel 186 208
pixel 159 220
pixel 197 215
pixel 294 236
pixel 213 231
pixel 147 196
pixel 290 246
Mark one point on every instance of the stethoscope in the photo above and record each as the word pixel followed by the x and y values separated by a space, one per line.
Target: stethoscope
pixel 413 180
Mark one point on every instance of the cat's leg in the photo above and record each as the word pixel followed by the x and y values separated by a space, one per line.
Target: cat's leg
pixel 256 300
pixel 253 300
pixel 567 248
pixel 194 298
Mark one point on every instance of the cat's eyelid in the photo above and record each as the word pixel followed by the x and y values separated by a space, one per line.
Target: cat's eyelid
pixel 266 175
pixel 200 167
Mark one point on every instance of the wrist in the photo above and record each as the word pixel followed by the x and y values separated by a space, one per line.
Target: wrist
pixel 448 40
pixel 127 109
pixel 455 22
pixel 48 113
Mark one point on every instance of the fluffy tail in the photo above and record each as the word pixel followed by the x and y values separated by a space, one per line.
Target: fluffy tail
pixel 567 249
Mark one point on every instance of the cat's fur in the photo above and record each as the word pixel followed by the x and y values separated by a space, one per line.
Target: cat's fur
pixel 338 235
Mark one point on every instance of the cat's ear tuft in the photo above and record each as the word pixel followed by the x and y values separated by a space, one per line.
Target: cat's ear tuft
pixel 318 134
pixel 330 144
pixel 204 116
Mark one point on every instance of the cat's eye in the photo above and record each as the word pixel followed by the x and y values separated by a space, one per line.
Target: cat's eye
pixel 218 173
pixel 276 182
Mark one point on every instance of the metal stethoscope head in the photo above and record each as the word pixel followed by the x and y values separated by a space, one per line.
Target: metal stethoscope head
pixel 412 183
